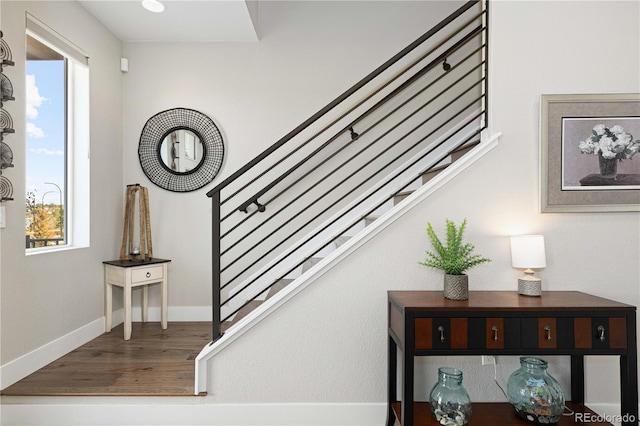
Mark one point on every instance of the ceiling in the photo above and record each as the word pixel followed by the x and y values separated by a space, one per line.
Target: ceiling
pixel 182 20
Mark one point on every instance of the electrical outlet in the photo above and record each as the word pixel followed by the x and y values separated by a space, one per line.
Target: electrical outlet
pixel 488 360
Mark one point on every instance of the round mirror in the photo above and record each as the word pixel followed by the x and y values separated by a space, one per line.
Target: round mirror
pixel 180 149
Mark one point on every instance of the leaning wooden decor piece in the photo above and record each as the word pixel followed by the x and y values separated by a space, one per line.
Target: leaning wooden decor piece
pixel 141 248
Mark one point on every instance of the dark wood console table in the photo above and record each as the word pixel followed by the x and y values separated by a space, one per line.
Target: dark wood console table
pixel 424 323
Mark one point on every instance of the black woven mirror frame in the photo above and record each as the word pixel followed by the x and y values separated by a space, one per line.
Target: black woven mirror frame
pixel 165 122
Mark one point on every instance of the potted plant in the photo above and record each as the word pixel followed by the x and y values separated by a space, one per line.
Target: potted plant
pixel 454 259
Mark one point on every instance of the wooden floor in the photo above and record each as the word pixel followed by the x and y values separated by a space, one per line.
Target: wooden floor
pixel 154 362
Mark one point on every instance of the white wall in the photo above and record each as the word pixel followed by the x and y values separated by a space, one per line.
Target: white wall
pixel 46 296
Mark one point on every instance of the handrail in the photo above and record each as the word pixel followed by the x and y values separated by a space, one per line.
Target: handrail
pixel 469 4
pixel 410 120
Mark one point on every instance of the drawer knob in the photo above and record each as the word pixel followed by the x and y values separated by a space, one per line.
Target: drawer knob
pixel 601 332
pixel 547 332
pixel 495 333
pixel 148 274
pixel 441 330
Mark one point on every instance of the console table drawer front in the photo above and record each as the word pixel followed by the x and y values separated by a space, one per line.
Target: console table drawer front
pixel 441 333
pixel 600 333
pixel 547 333
pixel 146 274
pixel 432 333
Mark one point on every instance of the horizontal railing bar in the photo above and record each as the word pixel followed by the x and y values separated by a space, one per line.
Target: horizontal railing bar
pixel 440 43
pixel 362 133
pixel 352 174
pixel 433 49
pixel 315 235
pixel 345 195
pixel 442 157
pixel 451 50
pixel 468 5
pixel 354 222
pixel 389 96
pixel 355 205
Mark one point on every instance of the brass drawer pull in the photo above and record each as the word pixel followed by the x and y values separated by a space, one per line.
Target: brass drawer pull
pixel 495 333
pixel 601 332
pixel 441 330
pixel 547 331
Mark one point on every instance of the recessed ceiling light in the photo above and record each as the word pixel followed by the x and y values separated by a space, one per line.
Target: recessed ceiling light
pixel 153 6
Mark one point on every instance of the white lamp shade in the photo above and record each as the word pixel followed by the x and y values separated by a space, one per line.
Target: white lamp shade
pixel 527 251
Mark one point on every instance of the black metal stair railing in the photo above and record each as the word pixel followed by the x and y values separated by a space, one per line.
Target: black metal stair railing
pixel 318 182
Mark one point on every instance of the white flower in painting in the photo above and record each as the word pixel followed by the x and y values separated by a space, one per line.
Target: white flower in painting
pixel 623 138
pixel 599 129
pixel 606 146
pixel 617 130
pixel 586 146
pixel 610 143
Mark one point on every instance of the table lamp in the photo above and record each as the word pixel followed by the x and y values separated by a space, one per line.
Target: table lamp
pixel 527 252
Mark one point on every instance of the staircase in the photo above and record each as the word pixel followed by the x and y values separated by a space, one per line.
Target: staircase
pixel 344 174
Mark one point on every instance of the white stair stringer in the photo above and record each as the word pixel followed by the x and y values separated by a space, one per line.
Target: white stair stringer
pixel 335 257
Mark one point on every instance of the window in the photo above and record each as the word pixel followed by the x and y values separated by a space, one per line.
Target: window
pixel 57 142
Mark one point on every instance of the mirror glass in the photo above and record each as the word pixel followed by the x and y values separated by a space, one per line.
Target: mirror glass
pixel 181 151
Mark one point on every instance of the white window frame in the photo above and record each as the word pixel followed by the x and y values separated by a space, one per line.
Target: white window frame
pixel 77 149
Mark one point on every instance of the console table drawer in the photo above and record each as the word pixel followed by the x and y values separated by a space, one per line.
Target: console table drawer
pixel 547 333
pixel 600 332
pixel 147 274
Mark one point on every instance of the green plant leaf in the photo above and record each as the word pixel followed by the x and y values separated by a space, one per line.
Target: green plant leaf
pixel 455 258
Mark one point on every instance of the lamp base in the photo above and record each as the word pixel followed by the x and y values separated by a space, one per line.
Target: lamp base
pixel 529 287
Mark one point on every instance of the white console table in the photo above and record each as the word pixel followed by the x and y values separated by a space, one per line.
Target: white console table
pixel 129 274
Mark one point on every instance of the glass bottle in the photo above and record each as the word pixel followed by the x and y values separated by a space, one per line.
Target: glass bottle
pixel 449 400
pixel 534 394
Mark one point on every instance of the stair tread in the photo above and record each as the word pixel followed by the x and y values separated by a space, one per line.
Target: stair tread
pixel 246 310
pixel 309 263
pixel 279 286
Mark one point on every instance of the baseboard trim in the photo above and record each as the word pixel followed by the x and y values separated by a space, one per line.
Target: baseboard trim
pixel 21 367
pixel 188 412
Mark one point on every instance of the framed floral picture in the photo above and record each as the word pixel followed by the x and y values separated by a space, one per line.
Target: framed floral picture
pixel 590 153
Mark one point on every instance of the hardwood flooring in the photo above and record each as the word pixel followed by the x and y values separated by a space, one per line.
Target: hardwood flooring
pixel 154 362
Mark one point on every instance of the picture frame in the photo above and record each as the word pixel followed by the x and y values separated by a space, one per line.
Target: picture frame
pixel 572 128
